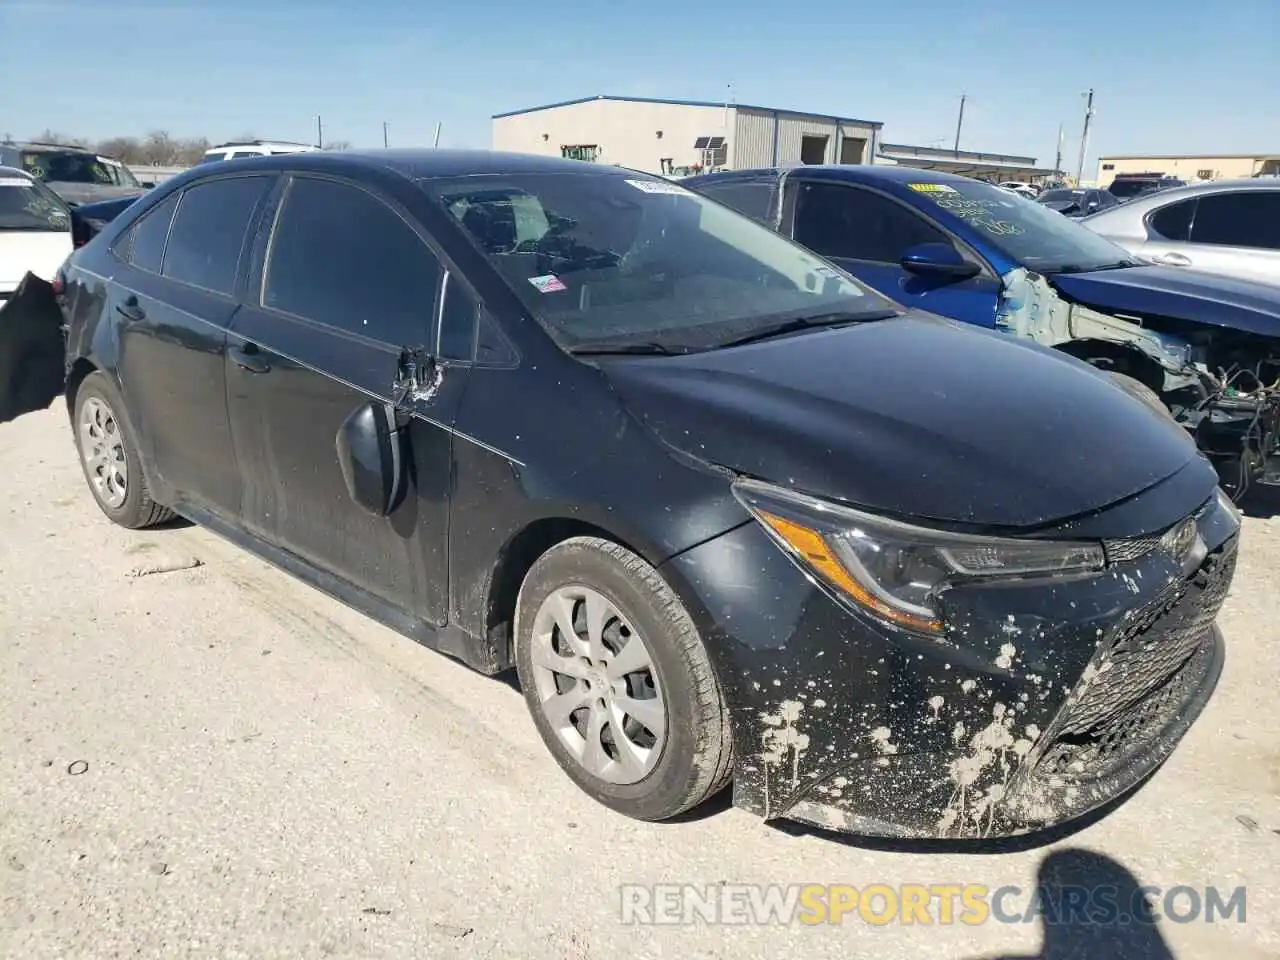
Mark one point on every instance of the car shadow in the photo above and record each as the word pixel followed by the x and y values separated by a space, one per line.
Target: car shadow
pixel 1113 919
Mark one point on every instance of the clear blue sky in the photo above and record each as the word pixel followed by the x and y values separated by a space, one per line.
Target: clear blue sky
pixel 1170 75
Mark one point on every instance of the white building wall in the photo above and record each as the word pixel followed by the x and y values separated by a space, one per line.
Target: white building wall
pixel 626 132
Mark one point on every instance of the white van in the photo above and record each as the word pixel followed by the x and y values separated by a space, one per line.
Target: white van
pixel 241 150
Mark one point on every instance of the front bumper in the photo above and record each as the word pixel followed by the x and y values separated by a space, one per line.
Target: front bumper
pixel 1051 698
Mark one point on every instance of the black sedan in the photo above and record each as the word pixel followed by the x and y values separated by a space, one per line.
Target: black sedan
pixel 732 515
pixel 1077 201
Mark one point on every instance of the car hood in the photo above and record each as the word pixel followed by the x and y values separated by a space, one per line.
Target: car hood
pixel 917 416
pixel 90 192
pixel 1176 293
pixel 29 251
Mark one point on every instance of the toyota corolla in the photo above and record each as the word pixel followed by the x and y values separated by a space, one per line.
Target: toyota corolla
pixel 732 515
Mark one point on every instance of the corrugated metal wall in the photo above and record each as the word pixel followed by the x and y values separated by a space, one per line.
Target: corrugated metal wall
pixel 757 144
pixel 752 145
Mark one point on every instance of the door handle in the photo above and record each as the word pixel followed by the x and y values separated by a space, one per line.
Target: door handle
pixel 1172 259
pixel 130 310
pixel 249 358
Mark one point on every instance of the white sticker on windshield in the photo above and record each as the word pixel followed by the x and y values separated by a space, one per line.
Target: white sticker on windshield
pixel 14 182
pixel 548 283
pixel 659 186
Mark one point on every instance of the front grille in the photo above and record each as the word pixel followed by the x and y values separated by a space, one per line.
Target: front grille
pixel 1123 551
pixel 1140 678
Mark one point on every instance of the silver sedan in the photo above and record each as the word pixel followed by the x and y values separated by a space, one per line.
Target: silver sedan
pixel 1227 227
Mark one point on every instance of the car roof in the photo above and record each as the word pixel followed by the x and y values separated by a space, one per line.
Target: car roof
pixel 423 163
pixel 39 146
pixel 854 172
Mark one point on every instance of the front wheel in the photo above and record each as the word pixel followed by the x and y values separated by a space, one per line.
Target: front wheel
pixel 618 681
pixel 109 456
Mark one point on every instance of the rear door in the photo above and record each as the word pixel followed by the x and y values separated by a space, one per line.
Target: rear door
pixel 345 282
pixel 174 295
pixel 868 232
pixel 1235 233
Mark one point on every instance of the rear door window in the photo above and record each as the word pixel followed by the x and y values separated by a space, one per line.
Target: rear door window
pixel 1174 221
pixel 837 220
pixel 1243 219
pixel 342 257
pixel 752 198
pixel 209 231
pixel 142 245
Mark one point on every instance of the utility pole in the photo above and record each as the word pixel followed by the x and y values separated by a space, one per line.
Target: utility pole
pixel 960 122
pixel 1084 137
pixel 319 133
pixel 384 134
pixel 1057 161
pixel 436 145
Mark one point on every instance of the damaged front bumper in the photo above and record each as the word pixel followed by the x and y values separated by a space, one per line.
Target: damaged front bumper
pixel 1050 699
pixel 32 349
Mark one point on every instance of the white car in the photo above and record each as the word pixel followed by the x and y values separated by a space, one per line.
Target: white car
pixel 244 149
pixel 35 230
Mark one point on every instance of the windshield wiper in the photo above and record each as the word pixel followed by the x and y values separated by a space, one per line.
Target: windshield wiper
pixel 651 348
pixel 795 324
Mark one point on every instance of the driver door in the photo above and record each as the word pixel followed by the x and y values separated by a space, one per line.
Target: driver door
pixel 344 283
pixel 867 233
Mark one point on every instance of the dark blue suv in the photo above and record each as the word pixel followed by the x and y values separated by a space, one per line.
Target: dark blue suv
pixel 1205 348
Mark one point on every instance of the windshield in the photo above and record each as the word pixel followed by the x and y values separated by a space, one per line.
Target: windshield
pixel 27 205
pixel 625 258
pixel 76 167
pixel 1025 231
pixel 1131 188
pixel 1056 196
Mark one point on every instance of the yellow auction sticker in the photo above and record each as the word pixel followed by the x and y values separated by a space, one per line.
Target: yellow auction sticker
pixel 931 188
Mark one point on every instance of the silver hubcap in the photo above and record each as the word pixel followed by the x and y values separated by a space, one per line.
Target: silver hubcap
pixel 102 448
pixel 597 685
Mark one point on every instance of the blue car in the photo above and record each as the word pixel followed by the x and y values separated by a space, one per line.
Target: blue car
pixel 1205 348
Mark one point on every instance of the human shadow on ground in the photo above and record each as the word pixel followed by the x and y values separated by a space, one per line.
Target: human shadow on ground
pixel 1090 907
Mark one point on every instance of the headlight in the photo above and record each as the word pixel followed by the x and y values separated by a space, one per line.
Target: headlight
pixel 893 570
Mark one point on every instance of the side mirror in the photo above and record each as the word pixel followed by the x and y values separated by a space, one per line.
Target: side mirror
pixel 371 457
pixel 938 260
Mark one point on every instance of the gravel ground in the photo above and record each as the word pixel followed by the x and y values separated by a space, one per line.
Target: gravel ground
pixel 218 761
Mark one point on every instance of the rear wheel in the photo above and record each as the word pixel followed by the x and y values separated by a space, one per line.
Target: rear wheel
pixel 109 457
pixel 618 681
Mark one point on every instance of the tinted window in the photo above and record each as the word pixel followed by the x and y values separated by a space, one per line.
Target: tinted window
pixel 1050 196
pixel 841 221
pixel 213 157
pixel 754 199
pixel 209 230
pixel 342 257
pixel 1174 221
pixel 143 245
pixel 1245 219
pixel 244 154
pixel 457 322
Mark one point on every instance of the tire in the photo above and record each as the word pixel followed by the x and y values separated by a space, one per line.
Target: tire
pixel 1139 391
pixel 694 759
pixel 105 443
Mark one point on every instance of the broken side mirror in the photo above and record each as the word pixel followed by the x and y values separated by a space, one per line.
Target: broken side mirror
pixel 372 458
pixel 938 260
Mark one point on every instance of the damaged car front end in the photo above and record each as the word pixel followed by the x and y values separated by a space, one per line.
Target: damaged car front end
pixel 951 686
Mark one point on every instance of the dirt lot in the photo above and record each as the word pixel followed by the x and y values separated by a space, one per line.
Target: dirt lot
pixel 217 761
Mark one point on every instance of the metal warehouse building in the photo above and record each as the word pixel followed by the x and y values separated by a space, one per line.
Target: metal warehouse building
pixel 679 137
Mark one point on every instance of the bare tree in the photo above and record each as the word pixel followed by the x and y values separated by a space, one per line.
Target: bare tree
pixel 338 145
pixel 53 136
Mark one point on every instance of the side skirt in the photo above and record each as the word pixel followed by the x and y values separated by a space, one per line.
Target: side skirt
pixel 450 639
